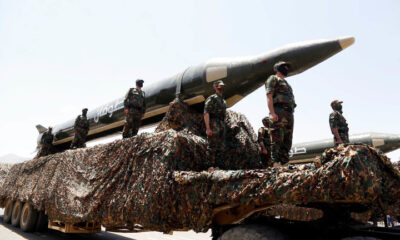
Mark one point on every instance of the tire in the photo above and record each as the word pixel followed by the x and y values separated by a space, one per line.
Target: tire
pixel 252 232
pixel 8 211
pixel 16 213
pixel 42 222
pixel 28 218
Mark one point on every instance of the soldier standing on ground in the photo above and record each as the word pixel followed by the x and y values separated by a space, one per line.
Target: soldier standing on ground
pixel 338 124
pixel 134 107
pixel 46 143
pixel 265 142
pixel 81 129
pixel 214 119
pixel 281 105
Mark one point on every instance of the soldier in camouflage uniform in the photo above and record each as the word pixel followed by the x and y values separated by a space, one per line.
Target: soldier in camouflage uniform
pixel 265 142
pixel 46 144
pixel 214 119
pixel 281 106
pixel 81 129
pixel 134 107
pixel 338 124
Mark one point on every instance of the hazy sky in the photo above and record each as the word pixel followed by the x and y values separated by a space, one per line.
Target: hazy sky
pixel 57 57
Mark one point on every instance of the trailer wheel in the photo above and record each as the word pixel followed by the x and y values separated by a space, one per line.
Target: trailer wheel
pixel 42 222
pixel 16 213
pixel 8 211
pixel 252 232
pixel 28 218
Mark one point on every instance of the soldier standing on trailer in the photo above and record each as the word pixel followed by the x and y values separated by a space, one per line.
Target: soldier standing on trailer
pixel 281 105
pixel 81 129
pixel 265 142
pixel 338 124
pixel 134 107
pixel 214 119
pixel 46 144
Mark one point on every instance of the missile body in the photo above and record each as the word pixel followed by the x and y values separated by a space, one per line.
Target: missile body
pixel 241 75
pixel 305 152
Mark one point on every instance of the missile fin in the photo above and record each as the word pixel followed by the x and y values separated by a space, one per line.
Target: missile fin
pixel 40 128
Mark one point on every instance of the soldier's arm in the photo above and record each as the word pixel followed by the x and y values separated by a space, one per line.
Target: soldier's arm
pixel 126 102
pixel 144 102
pixel 269 87
pixel 207 107
pixel 334 128
pixel 336 133
pixel 207 122
pixel 76 123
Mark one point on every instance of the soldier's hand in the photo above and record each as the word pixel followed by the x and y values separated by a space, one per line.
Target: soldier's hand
pixel 209 132
pixel 126 111
pixel 273 117
pixel 264 151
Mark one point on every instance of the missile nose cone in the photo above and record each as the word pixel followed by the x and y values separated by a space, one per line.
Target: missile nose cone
pixel 346 42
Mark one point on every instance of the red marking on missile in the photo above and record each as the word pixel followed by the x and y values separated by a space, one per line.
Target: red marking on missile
pixel 265 61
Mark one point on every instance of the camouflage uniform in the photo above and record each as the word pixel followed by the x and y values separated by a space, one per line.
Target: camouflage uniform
pixel 135 103
pixel 215 105
pixel 46 145
pixel 81 129
pixel 263 136
pixel 336 120
pixel 281 132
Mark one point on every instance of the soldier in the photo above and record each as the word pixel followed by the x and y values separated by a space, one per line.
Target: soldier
pixel 134 107
pixel 46 143
pixel 281 105
pixel 214 119
pixel 81 129
pixel 265 142
pixel 338 124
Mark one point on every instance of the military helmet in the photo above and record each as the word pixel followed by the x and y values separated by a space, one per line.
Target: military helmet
pixel 139 80
pixel 334 102
pixel 218 83
pixel 280 63
pixel 265 119
pixel 84 110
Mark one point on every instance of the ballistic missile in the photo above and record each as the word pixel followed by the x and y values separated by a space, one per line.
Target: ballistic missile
pixel 306 152
pixel 242 76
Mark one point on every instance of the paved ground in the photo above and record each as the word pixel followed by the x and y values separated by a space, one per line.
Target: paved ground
pixel 8 232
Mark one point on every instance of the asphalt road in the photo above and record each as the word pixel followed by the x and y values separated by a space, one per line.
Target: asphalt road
pixel 8 232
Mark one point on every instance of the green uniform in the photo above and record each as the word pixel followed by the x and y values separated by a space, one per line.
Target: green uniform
pixel 46 145
pixel 336 120
pixel 281 132
pixel 263 137
pixel 81 128
pixel 215 106
pixel 135 103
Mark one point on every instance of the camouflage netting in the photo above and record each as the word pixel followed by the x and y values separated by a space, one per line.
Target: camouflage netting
pixel 240 135
pixel 163 181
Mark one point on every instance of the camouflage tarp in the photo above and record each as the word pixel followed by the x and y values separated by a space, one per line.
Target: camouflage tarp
pixel 164 182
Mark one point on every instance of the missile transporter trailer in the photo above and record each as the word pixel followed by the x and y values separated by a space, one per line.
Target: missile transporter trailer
pixel 164 181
